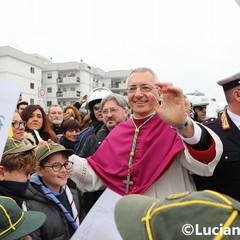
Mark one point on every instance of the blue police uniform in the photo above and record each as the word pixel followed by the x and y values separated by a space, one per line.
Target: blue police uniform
pixel 226 176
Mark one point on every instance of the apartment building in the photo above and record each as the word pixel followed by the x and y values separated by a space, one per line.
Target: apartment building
pixel 46 83
pixel 24 70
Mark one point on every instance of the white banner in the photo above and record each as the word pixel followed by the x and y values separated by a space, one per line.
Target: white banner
pixel 99 223
pixel 9 94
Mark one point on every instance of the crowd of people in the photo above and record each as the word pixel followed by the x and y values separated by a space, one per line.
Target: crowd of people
pixel 157 143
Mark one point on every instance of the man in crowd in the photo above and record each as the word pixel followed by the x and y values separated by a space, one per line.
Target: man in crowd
pixel 153 152
pixel 226 178
pixel 199 104
pixel 114 110
pixel 55 114
pixel 21 106
pixel 93 103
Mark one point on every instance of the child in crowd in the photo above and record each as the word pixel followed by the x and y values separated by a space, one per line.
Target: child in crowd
pixel 17 163
pixel 50 192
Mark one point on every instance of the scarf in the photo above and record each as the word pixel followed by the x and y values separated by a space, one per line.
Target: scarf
pixel 15 190
pixel 52 195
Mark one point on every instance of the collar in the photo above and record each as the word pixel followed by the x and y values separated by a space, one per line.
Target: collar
pixel 235 118
pixel 142 117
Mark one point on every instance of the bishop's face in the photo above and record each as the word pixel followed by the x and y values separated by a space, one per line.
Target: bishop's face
pixel 138 100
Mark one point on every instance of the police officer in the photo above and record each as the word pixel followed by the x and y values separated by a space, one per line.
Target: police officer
pixel 199 103
pixel 226 177
pixel 93 103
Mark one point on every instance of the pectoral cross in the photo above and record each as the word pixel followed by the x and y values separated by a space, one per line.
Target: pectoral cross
pixel 128 182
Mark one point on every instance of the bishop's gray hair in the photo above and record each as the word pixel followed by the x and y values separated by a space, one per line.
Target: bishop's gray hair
pixel 142 70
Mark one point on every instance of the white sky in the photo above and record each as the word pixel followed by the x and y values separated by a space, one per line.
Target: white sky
pixel 192 43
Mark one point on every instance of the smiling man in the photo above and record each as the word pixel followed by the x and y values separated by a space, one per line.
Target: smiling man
pixel 154 152
pixel 55 114
pixel 114 110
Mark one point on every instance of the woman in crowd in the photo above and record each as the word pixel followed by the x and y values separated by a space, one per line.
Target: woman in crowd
pixel 18 130
pixel 71 130
pixel 37 122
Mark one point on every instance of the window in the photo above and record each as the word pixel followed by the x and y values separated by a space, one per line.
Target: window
pixel 31 85
pixel 72 75
pixel 49 76
pixel 31 101
pixel 32 70
pixel 49 90
pixel 72 89
pixel 49 103
pixel 64 90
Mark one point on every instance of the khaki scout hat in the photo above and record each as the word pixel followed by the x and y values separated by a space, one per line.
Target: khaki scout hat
pixel 14 223
pixel 13 146
pixel 47 149
pixel 230 82
pixel 180 216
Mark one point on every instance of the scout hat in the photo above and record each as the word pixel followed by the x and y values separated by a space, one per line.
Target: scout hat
pixel 187 215
pixel 13 146
pixel 230 82
pixel 14 223
pixel 47 149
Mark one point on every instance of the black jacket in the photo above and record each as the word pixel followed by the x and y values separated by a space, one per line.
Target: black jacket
pixel 56 225
pixel 226 176
pixel 93 142
pixel 89 148
pixel 66 142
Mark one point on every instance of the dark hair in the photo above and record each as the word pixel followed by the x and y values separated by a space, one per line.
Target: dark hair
pixel 47 125
pixel 22 103
pixel 70 124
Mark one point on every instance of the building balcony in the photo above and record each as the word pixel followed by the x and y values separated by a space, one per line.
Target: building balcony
pixel 118 86
pixel 69 94
pixel 68 80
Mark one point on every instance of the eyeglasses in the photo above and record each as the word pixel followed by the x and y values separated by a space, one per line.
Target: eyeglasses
pixel 97 106
pixel 18 124
pixel 112 111
pixel 202 107
pixel 143 88
pixel 58 166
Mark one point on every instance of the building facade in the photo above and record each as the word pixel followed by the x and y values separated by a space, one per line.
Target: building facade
pixel 46 83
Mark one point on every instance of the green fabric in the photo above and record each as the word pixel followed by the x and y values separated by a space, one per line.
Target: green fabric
pixel 168 218
pixel 13 146
pixel 14 223
pixel 47 149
